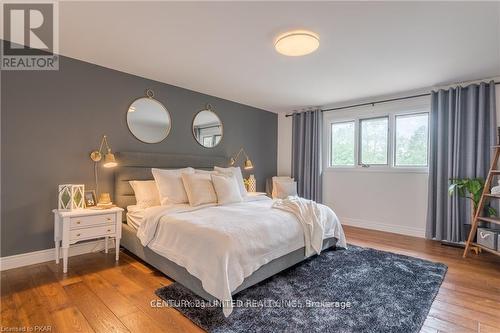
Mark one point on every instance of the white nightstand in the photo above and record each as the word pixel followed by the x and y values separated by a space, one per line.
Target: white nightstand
pixel 71 227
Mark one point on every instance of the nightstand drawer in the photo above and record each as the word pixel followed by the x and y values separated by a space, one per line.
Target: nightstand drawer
pixel 92 232
pixel 88 221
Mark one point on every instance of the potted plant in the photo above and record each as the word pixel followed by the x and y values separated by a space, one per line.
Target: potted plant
pixel 470 188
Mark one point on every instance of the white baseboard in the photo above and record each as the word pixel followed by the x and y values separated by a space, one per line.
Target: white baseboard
pixel 397 229
pixel 25 259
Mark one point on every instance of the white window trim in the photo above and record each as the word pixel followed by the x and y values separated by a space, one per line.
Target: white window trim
pixel 393 139
pixel 329 156
pixel 391 110
pixel 388 155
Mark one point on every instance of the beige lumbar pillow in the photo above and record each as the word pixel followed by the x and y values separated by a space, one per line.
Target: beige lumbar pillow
pixel 146 193
pixel 170 186
pixel 226 188
pixel 199 188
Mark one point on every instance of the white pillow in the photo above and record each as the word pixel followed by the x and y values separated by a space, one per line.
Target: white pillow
pixel 146 193
pixel 277 179
pixel 236 171
pixel 227 189
pixel 199 188
pixel 170 186
pixel 285 189
pixel 208 172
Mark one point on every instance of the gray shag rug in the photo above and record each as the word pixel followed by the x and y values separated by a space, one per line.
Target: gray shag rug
pixel 353 290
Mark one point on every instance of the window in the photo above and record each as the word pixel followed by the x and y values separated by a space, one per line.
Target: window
pixel 411 140
pixel 374 141
pixel 384 138
pixel 207 141
pixel 217 139
pixel 342 144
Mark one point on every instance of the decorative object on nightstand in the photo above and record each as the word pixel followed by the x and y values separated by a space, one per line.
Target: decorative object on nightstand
pixel 71 197
pixel 252 184
pixel 109 162
pixel 248 165
pixel 104 202
pixel 105 198
pixel 90 200
pixel 71 227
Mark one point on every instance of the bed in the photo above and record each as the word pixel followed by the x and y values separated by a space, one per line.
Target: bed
pixel 137 166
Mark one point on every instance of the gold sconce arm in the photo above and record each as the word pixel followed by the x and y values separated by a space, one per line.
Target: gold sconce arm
pixel 109 158
pixel 248 162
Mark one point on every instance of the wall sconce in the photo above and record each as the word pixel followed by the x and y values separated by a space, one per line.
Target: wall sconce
pixel 248 165
pixel 109 159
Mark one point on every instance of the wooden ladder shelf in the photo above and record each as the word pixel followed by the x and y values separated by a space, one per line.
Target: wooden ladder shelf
pixel 480 207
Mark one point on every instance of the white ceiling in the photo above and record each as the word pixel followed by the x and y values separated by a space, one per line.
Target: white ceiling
pixel 226 49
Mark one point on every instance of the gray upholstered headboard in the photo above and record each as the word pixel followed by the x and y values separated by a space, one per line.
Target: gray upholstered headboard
pixel 137 166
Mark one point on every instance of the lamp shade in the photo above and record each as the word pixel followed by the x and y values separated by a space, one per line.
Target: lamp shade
pixel 109 160
pixel 248 164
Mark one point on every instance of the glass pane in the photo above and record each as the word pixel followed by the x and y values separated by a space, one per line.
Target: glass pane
pixel 217 139
pixel 412 133
pixel 374 140
pixel 342 152
pixel 207 141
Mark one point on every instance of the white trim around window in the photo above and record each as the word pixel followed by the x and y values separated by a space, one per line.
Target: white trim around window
pixel 390 110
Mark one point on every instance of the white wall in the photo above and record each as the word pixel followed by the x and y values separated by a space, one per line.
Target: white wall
pixel 381 200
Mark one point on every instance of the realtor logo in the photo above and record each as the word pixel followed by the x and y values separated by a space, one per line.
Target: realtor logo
pixel 30 38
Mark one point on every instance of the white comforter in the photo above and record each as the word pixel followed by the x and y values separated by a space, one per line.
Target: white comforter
pixel 222 245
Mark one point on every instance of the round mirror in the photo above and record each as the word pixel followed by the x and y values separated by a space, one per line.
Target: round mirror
pixel 148 120
pixel 207 128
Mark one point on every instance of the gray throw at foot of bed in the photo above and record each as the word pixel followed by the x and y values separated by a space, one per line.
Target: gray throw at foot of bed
pixel 386 292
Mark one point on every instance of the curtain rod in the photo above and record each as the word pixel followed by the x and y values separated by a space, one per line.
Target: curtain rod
pixel 373 103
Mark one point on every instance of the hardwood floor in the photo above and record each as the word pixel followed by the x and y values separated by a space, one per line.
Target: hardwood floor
pixel 100 295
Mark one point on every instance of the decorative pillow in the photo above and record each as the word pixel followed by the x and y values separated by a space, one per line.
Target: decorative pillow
pixel 236 171
pixel 227 189
pixel 146 193
pixel 207 172
pixel 277 179
pixel 199 188
pixel 285 189
pixel 170 186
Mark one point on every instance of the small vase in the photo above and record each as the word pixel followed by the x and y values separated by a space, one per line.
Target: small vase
pixel 252 184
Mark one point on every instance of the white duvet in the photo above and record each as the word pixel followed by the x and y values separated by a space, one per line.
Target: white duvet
pixel 222 245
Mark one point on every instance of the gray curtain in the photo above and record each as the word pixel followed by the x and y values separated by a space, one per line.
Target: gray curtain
pixel 463 129
pixel 307 170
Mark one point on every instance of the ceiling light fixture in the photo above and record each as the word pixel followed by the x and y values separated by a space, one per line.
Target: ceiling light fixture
pixel 297 43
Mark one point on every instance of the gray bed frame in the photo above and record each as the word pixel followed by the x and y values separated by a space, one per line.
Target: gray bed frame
pixel 137 166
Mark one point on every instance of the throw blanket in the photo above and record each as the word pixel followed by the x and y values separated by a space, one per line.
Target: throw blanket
pixel 312 220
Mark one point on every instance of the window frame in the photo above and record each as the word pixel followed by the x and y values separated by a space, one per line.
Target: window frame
pixel 360 146
pixel 390 110
pixel 428 113
pixel 330 157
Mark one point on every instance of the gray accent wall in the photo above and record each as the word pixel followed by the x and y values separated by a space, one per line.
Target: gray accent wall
pixel 52 120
